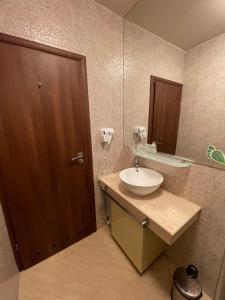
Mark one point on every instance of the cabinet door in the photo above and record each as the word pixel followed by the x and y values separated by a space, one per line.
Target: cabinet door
pixel 139 243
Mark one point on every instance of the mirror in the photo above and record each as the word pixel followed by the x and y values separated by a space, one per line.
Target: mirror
pixel 174 78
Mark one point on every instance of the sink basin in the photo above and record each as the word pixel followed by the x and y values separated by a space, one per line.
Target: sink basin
pixel 141 181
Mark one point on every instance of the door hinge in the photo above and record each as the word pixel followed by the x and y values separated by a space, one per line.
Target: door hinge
pixel 17 247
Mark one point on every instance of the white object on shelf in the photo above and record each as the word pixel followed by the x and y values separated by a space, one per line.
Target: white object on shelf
pixel 153 147
pixel 106 135
pixel 140 132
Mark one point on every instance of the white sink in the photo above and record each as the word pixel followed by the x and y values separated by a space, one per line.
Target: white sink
pixel 141 181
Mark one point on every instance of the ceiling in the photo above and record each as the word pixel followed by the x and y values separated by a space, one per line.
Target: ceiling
pixel 121 7
pixel 184 23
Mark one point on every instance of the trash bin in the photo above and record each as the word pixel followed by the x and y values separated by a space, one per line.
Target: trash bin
pixel 185 284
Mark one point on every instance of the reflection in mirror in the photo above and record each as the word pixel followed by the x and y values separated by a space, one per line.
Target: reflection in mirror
pixel 174 91
pixel 164 113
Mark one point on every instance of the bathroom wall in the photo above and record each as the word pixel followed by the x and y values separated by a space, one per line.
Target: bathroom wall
pixel 220 291
pixel 202 108
pixel 87 28
pixel 145 54
pixel 203 244
pixel 9 275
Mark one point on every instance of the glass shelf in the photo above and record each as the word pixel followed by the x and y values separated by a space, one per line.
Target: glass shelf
pixel 145 151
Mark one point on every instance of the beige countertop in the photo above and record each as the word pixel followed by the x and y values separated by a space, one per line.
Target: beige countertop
pixel 169 215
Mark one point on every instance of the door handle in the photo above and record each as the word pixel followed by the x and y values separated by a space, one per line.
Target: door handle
pixel 157 143
pixel 79 158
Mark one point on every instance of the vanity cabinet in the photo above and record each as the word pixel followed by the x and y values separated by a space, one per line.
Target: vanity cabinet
pixel 139 243
pixel 168 216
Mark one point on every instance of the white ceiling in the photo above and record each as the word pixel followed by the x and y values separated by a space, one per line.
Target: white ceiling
pixel 184 23
pixel 121 7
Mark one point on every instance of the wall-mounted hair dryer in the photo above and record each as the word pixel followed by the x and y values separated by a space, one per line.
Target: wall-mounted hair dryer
pixel 106 135
pixel 140 132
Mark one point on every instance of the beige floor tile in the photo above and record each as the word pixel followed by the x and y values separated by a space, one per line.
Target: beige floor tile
pixel 95 268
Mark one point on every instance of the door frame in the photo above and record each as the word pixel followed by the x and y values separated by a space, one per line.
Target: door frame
pixel 153 80
pixel 59 52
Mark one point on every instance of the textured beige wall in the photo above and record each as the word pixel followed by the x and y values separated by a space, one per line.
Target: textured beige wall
pixel 202 108
pixel 87 28
pixel 145 54
pixel 9 276
pixel 203 244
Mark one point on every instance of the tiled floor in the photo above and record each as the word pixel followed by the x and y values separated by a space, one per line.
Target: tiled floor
pixel 95 268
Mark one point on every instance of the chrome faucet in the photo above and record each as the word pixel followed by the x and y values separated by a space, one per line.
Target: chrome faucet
pixel 136 163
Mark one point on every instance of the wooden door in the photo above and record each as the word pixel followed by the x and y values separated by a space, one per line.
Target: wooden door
pixel 47 198
pixel 165 99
